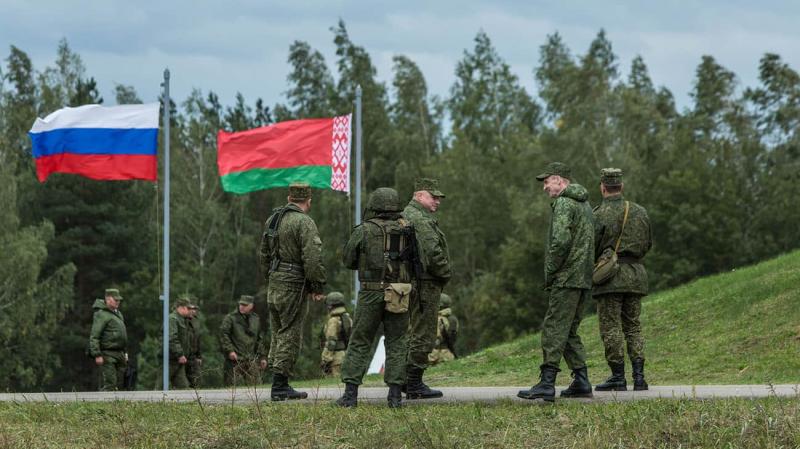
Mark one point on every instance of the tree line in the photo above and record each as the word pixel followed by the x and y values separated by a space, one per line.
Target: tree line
pixel 718 178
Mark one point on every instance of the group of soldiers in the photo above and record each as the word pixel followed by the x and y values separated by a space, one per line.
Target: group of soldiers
pixel 403 264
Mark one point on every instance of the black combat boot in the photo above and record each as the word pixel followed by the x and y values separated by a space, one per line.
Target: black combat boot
pixel 580 386
pixel 639 383
pixel 394 398
pixel 350 397
pixel 546 388
pixel 416 388
pixel 617 380
pixel 281 390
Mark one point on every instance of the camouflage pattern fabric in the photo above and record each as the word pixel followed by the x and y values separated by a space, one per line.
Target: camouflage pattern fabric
pixel 424 305
pixel 178 347
pixel 288 307
pixel 370 313
pixel 243 335
pixel 299 244
pixel 618 314
pixel 195 364
pixel 108 338
pixel 446 333
pixel 635 243
pixel 440 355
pixel 569 255
pixel 560 328
pixel 334 350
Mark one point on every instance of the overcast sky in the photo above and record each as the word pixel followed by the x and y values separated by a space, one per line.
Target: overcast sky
pixel 242 45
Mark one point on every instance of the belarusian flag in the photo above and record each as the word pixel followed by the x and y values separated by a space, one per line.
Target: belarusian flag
pixel 316 151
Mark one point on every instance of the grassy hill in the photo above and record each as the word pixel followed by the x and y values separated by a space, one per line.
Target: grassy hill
pixel 737 327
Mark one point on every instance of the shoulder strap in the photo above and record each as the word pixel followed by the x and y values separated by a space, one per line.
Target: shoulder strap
pixel 624 220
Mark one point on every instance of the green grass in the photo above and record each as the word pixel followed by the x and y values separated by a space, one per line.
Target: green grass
pixel 733 423
pixel 740 327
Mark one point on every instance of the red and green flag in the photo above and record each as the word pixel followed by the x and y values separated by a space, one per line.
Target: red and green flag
pixel 316 151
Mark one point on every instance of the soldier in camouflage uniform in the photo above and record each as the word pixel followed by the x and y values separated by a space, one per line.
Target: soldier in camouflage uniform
pixel 436 273
pixel 446 333
pixel 291 259
pixel 179 342
pixel 195 366
pixel 241 341
pixel 108 341
pixel 569 256
pixel 335 334
pixel 619 300
pixel 381 249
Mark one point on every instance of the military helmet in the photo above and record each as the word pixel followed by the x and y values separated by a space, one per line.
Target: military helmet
pixel 384 199
pixel 444 301
pixel 334 299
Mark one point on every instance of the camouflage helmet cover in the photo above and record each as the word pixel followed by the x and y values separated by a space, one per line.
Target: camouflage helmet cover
pixel 384 199
pixel 334 299
pixel 445 301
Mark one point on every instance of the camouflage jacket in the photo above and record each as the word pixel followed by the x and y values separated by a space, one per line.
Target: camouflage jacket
pixel 336 331
pixel 431 242
pixel 569 254
pixel 299 244
pixel 108 330
pixel 242 334
pixel 636 242
pixel 179 338
pixel 446 330
pixel 194 337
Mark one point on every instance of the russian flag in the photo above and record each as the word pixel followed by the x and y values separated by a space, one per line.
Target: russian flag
pixel 98 142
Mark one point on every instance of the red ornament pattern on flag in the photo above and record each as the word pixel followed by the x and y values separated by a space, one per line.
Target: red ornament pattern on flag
pixel 340 153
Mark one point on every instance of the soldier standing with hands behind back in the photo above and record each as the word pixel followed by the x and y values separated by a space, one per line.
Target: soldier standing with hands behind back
pixel 569 256
pixel 623 227
pixel 108 341
pixel 291 259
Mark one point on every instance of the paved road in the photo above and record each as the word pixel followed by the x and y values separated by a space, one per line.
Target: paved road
pixel 451 394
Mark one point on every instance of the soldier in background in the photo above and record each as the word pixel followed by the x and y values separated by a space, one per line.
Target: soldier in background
pixel 335 334
pixel 446 333
pixel 568 265
pixel 623 227
pixel 291 259
pixel 424 307
pixel 179 343
pixel 382 250
pixel 242 343
pixel 108 341
pixel 195 366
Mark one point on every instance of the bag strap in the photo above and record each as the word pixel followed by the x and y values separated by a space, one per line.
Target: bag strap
pixel 624 220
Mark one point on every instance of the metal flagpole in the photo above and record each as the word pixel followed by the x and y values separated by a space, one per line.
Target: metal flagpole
pixel 356 285
pixel 165 295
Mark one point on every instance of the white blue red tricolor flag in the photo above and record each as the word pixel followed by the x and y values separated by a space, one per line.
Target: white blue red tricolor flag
pixel 105 143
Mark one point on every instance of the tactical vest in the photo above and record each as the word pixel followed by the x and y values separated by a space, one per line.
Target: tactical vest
pixel 345 329
pixel 386 254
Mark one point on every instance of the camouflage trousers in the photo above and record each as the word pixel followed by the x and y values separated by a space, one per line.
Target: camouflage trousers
pixel 370 313
pixel 618 314
pixel 112 371
pixel 194 371
pixel 177 375
pixel 560 328
pixel 423 313
pixel 332 362
pixel 288 307
pixel 440 355
pixel 244 372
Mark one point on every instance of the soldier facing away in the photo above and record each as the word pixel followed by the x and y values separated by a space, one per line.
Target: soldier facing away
pixel 335 334
pixel 108 341
pixel 179 342
pixel 446 333
pixel 623 227
pixel 435 274
pixel 382 250
pixel 569 256
pixel 241 341
pixel 195 366
pixel 291 258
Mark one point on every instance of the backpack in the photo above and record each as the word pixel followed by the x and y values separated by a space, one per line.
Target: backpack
pixel 388 256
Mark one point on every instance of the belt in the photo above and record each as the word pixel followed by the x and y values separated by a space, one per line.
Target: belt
pixel 375 286
pixel 291 268
pixel 628 260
